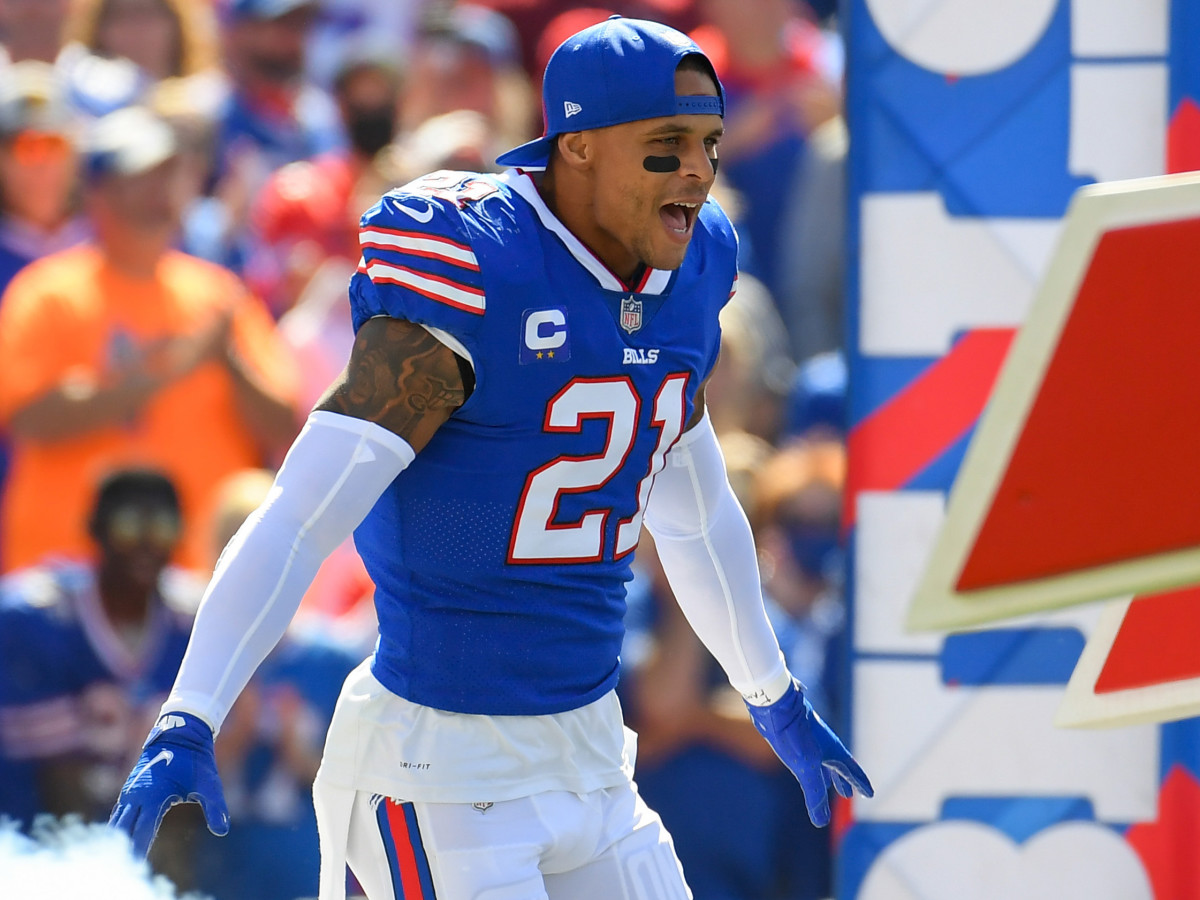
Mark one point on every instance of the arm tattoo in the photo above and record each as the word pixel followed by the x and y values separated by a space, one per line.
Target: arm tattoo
pixel 399 376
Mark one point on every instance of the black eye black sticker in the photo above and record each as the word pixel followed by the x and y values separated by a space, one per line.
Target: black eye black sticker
pixel 661 163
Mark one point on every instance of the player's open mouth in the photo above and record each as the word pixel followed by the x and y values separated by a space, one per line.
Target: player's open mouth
pixel 679 217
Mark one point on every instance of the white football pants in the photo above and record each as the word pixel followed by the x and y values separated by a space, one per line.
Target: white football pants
pixel 606 845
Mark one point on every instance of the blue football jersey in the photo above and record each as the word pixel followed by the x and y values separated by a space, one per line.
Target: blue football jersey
pixel 501 554
pixel 71 686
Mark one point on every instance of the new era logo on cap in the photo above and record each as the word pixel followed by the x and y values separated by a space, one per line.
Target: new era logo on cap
pixel 571 109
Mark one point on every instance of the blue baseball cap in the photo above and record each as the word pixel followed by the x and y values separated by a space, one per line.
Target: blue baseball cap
pixel 621 70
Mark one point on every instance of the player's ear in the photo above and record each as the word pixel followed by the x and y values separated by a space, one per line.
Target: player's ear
pixel 575 149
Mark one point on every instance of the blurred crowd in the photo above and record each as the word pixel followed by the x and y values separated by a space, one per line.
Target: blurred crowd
pixel 180 187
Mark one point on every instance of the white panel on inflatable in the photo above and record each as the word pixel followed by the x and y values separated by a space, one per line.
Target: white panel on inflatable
pixel 927 276
pixel 961 860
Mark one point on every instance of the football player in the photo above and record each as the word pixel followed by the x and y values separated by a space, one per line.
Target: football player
pixel 525 388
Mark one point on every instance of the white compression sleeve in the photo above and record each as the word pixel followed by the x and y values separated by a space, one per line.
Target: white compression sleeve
pixel 707 552
pixel 334 472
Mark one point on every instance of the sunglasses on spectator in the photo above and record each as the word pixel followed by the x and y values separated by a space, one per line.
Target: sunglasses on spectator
pixel 131 526
pixel 31 148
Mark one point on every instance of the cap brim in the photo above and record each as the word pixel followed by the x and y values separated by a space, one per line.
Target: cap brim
pixel 283 7
pixel 533 154
pixel 272 9
pixel 137 160
pixel 129 142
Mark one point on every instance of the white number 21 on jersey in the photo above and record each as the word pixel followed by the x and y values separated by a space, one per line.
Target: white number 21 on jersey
pixel 537 537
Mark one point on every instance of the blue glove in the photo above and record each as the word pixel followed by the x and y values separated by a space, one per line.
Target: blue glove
pixel 176 766
pixel 810 749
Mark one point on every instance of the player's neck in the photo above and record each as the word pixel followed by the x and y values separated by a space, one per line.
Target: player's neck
pixel 570 201
pixel 125 599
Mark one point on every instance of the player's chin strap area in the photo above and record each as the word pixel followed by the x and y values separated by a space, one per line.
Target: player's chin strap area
pixel 335 471
pixel 707 552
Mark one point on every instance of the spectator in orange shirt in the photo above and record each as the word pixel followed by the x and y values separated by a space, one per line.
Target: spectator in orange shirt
pixel 124 351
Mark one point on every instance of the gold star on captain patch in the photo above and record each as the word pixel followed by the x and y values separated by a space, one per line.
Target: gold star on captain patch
pixel 550 353
pixel 539 354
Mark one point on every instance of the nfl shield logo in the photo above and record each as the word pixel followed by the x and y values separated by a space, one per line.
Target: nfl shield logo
pixel 631 314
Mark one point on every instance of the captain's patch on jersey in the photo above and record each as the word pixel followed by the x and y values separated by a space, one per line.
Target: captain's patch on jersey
pixel 544 335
